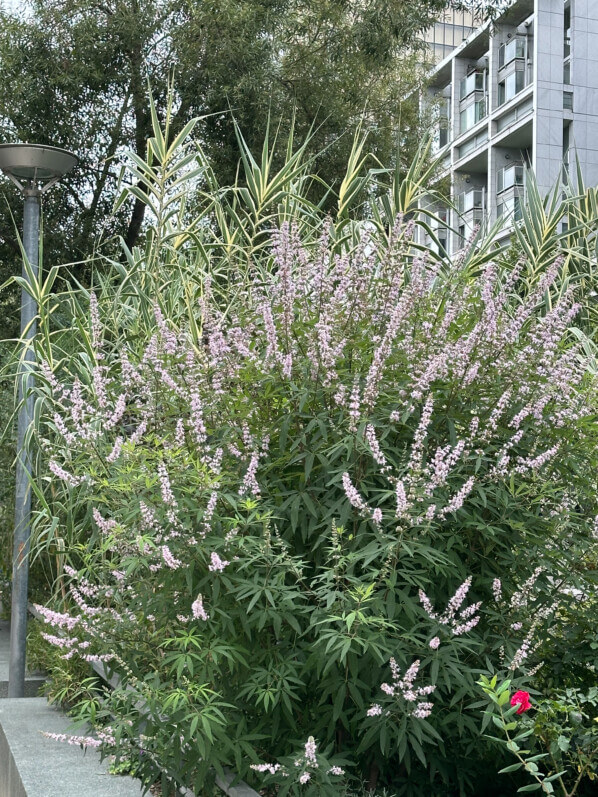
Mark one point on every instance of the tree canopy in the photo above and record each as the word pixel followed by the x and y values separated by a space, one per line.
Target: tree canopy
pixel 77 74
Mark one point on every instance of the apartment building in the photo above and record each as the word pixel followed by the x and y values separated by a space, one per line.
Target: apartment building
pixel 519 91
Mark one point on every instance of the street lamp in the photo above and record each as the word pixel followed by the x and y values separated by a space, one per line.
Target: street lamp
pixel 33 169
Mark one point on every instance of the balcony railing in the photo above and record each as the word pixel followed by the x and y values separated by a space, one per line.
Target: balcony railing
pixel 509 177
pixel 511 85
pixel 473 114
pixel 515 48
pixel 474 199
pixel 475 81
pixel 510 207
pixel 443 126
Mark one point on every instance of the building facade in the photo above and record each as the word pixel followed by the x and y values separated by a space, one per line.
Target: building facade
pixel 521 91
pixel 451 30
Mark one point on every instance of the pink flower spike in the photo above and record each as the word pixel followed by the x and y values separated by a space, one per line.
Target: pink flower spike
pixel 217 564
pixel 198 611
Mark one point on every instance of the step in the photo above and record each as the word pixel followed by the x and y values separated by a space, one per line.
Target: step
pixel 32 765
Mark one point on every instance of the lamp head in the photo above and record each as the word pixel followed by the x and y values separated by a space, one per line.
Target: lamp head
pixel 35 167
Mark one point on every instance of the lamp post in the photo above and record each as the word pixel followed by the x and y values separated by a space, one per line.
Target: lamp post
pixel 33 169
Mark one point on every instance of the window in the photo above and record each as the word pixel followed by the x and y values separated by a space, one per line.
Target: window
pixel 567 72
pixel 511 86
pixel 510 208
pixel 471 115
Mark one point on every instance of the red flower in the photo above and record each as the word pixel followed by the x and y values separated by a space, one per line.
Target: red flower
pixel 521 698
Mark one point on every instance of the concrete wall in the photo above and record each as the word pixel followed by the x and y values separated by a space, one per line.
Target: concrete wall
pixel 584 84
pixel 32 765
pixel 548 77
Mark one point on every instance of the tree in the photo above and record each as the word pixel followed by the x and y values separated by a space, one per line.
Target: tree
pixel 77 72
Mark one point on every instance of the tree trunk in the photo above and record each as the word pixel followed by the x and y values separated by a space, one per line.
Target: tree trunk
pixel 373 776
pixel 142 132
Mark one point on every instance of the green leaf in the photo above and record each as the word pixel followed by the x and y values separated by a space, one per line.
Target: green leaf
pixel 563 743
pixel 523 735
pixel 555 776
pixel 510 768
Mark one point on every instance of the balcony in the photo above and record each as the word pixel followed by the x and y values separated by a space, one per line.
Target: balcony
pixel 514 68
pixel 473 92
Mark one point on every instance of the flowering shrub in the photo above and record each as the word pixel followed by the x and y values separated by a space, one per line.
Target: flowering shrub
pixel 275 492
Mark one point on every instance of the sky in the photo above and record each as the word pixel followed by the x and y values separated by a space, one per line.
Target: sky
pixel 14 6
